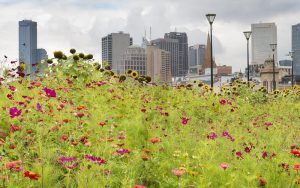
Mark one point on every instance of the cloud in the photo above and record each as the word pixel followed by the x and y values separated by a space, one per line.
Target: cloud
pixel 81 24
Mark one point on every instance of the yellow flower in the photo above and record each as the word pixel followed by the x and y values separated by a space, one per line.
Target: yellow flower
pixel 193 173
pixel 134 74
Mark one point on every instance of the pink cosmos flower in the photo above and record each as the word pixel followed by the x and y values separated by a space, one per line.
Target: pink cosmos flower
pixel 97 160
pixel 223 102
pixel 185 120
pixel 264 155
pixel 247 149
pixel 212 136
pixel 14 112
pixel 268 124
pixel 14 166
pixel 39 107
pixel 14 128
pixel 68 162
pixel 50 92
pixel 12 88
pixel 101 83
pixel 228 136
pixel 224 166
pixel 9 96
pixel 123 151
pixel 178 172
pixel 239 154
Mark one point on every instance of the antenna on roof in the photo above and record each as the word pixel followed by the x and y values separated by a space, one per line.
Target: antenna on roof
pixel 150 33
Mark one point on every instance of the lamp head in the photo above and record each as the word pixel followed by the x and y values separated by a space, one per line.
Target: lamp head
pixel 211 18
pixel 273 47
pixel 247 34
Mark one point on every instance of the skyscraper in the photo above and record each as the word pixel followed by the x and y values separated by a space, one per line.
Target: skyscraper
pixel 134 58
pixel 158 64
pixel 183 64
pixel 196 58
pixel 263 34
pixel 172 46
pixel 28 44
pixel 114 46
pixel 296 49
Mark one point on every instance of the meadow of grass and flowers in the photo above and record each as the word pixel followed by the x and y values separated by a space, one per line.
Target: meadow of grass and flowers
pixel 80 125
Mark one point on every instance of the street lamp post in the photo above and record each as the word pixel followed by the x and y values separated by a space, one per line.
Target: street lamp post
pixel 211 18
pixel 291 54
pixel 273 47
pixel 247 35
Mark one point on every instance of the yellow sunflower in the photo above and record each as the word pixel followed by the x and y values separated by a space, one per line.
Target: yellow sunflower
pixel 134 74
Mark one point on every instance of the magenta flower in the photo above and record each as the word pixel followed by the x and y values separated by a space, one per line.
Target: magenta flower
pixel 212 136
pixel 227 135
pixel 68 162
pixel 39 107
pixel 101 83
pixel 247 149
pixel 97 160
pixel 50 92
pixel 12 88
pixel 9 96
pixel 185 120
pixel 264 155
pixel 123 151
pixel 224 166
pixel 14 112
pixel 239 154
pixel 223 102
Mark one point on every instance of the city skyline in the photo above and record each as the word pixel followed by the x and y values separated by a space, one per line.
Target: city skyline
pixel 84 30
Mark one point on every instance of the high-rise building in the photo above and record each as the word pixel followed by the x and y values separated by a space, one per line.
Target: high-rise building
pixel 183 63
pixel 263 34
pixel 196 58
pixel 296 49
pixel 172 46
pixel 134 58
pixel 114 46
pixel 158 64
pixel 28 44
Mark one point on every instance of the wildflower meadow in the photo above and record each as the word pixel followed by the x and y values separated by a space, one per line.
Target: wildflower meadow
pixel 77 124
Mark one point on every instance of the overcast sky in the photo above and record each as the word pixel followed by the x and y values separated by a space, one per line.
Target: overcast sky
pixel 80 24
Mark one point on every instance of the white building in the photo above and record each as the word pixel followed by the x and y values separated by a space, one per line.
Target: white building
pixel 134 58
pixel 263 34
pixel 114 46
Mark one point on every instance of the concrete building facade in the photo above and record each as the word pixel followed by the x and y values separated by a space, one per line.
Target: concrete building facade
pixel 134 58
pixel 296 49
pixel 28 44
pixel 263 34
pixel 158 64
pixel 172 46
pixel 113 47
